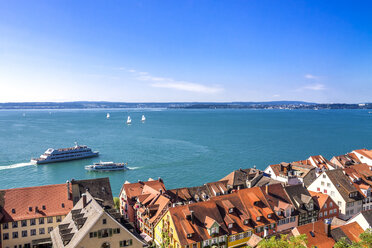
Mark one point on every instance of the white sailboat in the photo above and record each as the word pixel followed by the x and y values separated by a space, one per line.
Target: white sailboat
pixel 143 118
pixel 108 116
pixel 129 120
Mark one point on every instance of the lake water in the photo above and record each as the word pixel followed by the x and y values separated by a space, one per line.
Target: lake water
pixel 184 147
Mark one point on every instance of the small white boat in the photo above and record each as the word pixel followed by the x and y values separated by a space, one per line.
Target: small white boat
pixel 143 118
pixel 108 116
pixel 107 166
pixel 129 120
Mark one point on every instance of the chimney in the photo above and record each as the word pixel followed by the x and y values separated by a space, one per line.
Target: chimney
pixel 267 189
pixel 68 190
pixel 327 227
pixel 239 187
pixel 161 191
pixel 36 209
pixel 84 196
pixel 192 217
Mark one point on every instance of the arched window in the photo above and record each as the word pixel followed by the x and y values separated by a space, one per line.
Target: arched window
pixel 105 245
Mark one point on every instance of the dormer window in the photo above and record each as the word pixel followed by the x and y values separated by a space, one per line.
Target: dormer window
pixel 44 207
pixel 13 211
pixel 258 218
pixel 231 210
pixel 230 225
pixel 269 216
pixel 189 235
pixel 30 209
pixel 246 222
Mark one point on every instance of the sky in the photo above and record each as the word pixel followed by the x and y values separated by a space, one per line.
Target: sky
pixel 202 50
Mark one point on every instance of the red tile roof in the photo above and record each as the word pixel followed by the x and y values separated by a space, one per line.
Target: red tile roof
pixel 319 237
pixel 352 231
pixel 34 202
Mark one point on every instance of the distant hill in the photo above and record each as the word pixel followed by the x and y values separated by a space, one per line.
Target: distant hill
pixel 188 105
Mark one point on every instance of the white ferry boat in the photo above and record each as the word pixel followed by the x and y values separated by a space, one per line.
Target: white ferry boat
pixel 65 154
pixel 107 166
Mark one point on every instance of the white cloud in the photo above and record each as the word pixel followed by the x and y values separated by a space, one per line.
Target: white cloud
pixel 276 95
pixel 315 87
pixel 169 83
pixel 310 76
pixel 186 86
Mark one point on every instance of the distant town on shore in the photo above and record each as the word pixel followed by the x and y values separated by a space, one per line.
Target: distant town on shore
pixel 184 105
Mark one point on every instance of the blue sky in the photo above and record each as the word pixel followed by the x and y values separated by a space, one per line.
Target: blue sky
pixel 141 51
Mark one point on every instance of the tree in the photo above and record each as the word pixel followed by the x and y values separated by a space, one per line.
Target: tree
pixel 283 242
pixel 117 203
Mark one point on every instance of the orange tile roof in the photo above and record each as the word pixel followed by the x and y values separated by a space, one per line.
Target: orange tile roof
pixel 320 239
pixel 136 189
pixel 25 201
pixel 352 231
pixel 217 209
pixel 320 198
pixel 364 152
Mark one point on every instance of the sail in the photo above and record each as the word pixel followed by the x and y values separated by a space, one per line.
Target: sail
pixel 108 115
pixel 143 118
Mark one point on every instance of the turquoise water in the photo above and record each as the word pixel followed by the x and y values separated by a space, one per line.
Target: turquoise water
pixel 184 147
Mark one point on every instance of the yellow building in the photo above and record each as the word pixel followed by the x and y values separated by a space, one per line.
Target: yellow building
pixel 90 225
pixel 28 215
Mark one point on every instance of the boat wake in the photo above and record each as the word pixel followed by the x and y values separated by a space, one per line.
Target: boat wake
pixel 133 168
pixel 13 166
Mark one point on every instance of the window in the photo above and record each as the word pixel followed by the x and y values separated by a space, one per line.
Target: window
pixel 59 218
pixel 41 231
pixel 206 243
pixel 317 189
pixel 322 183
pixel 230 225
pixel 50 219
pixel 15 235
pixel 339 203
pixel 125 243
pixel 332 193
pixel 222 238
pixel 50 229
pixel 331 211
pixel 24 233
pixel 325 213
pixel 15 224
pixel 331 204
pixel 32 222
pixel 324 176
pixel 104 221
pixel 325 205
pixel 328 185
pixel 5 226
pixel 23 222
pixel 325 191
pixel 33 232
pixel 5 236
pixel 41 221
pixel 320 214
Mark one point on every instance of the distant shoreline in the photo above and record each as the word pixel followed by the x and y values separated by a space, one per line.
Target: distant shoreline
pixel 180 105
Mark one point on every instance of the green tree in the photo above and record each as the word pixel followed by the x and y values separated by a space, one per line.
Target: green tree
pixel 117 203
pixel 283 242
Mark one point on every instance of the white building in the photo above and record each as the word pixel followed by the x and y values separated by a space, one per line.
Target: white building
pixel 364 155
pixel 337 185
pixel 364 219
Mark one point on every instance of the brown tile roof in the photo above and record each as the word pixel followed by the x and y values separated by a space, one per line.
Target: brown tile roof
pixel 34 202
pixel 136 189
pixel 343 184
pixel 316 235
pixel 347 159
pixel 99 188
pixel 239 177
pixel 217 209
pixel 320 162
pixel 276 197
